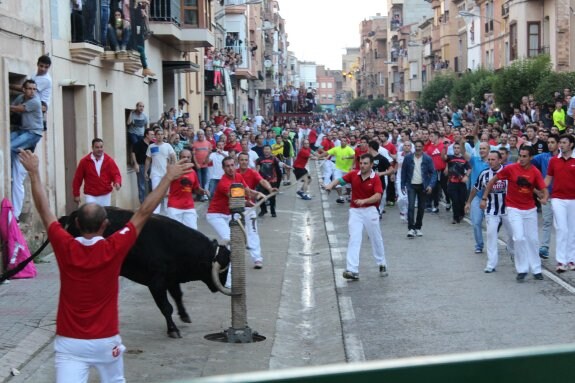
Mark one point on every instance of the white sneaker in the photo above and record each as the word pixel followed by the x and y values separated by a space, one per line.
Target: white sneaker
pixel 419 233
pixel 411 234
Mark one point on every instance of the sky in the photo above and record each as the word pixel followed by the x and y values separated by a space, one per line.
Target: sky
pixel 320 30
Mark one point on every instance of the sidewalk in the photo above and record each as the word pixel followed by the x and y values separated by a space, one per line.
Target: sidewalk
pixel 291 301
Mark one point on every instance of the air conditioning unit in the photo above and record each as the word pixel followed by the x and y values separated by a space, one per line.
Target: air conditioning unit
pixel 505 10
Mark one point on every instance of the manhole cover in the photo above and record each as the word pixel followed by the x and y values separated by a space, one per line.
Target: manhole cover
pixel 309 254
pixel 223 337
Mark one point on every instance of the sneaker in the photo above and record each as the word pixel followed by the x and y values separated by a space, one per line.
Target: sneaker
pixel 544 252
pixel 419 233
pixel 478 251
pixel 571 266
pixel 274 215
pixel 561 268
pixel 520 277
pixel 306 197
pixel 538 276
pixel 205 198
pixel 348 198
pixel 428 209
pixel 403 218
pixel 262 213
pixel 258 265
pixel 448 207
pixel 350 275
pixel 489 270
pixel 340 200
pixel 300 193
pixel 435 210
pixel 383 270
pixel 411 234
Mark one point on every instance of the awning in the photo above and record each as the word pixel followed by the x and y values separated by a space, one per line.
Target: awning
pixel 180 66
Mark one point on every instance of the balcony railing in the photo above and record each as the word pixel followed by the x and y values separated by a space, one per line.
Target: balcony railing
pixel 166 11
pixel 90 24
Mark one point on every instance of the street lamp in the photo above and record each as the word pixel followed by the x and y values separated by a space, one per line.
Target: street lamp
pixel 471 14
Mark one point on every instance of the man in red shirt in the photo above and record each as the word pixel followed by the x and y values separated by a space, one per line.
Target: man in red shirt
pixel 328 165
pixel 522 179
pixel 300 171
pixel 561 173
pixel 100 176
pixel 367 191
pixel 219 214
pixel 436 151
pixel 233 143
pixel 181 198
pixel 87 323
pixel 360 150
pixel 253 179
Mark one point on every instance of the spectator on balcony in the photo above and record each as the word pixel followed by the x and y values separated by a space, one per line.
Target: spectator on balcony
pixel 119 31
pixel 104 17
pixel 77 21
pixel 209 68
pixel 218 66
pixel 140 31
pixel 396 22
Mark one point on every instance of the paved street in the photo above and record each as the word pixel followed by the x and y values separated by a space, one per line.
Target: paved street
pixel 436 300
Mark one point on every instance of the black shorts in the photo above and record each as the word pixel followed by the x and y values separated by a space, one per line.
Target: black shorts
pixel 299 172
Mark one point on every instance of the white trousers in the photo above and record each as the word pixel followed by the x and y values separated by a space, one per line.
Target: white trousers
pixel 253 237
pixel 162 207
pixel 221 224
pixel 328 169
pixel 337 174
pixel 18 192
pixel 360 218
pixel 74 357
pixel 523 225
pixel 564 221
pixel 492 223
pixel 188 217
pixel 102 200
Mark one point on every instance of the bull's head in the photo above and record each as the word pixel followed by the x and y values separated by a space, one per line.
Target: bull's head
pixel 220 266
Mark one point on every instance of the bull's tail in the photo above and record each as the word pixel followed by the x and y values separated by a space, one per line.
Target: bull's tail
pixel 10 273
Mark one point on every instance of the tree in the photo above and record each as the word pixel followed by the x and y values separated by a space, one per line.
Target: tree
pixel 519 79
pixel 435 90
pixel 357 104
pixel 554 82
pixel 463 89
pixel 376 104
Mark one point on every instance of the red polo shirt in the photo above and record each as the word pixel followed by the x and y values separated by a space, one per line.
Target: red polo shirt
pixel 563 172
pixel 251 178
pixel 220 202
pixel 520 185
pixel 362 189
pixel 181 191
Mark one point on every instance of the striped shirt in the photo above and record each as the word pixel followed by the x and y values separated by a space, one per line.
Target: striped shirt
pixel 495 199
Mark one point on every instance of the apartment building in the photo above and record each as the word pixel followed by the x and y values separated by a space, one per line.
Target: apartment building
pixel 326 89
pixel 350 62
pixel 373 55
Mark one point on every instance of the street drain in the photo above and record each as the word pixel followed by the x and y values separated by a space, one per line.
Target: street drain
pixel 309 254
pixel 223 338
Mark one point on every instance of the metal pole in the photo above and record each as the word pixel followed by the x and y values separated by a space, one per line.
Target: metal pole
pixel 240 332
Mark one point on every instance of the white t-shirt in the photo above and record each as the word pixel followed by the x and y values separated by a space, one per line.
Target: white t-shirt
pixel 44 86
pixel 253 157
pixel 417 178
pixel 216 168
pixel 160 155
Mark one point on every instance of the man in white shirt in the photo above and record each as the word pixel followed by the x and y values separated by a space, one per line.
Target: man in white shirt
pixel 216 169
pixel 158 156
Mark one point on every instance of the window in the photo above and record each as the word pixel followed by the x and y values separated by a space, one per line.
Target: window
pixel 381 79
pixel 330 96
pixel 533 39
pixel 513 41
pixel 191 12
pixel 488 17
pixel 323 85
pixel 329 85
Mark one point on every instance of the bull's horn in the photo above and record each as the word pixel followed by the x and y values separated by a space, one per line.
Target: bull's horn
pixel 216 268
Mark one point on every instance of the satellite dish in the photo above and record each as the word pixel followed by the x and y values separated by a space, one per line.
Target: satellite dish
pixel 268 63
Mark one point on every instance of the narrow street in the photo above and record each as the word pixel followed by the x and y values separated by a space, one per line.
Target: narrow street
pixel 436 300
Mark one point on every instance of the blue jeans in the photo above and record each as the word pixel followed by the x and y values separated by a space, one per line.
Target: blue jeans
pixel 143 185
pixel 104 20
pixel 212 186
pixel 113 38
pixel 477 221
pixel 133 138
pixel 202 176
pixel 22 139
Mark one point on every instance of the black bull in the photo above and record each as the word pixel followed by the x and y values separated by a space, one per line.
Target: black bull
pixel 166 254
